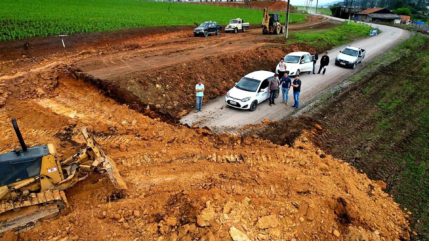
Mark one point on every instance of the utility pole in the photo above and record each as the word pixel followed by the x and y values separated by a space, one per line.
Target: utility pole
pixel 317 3
pixel 350 10
pixel 287 19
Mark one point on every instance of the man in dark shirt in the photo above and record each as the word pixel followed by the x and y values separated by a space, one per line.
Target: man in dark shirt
pixel 315 58
pixel 296 84
pixel 273 87
pixel 285 83
pixel 324 62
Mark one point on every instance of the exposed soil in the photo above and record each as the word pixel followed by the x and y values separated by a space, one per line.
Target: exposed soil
pixel 188 183
pixel 279 6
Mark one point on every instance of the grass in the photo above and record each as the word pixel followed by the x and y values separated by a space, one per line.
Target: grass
pixel 333 37
pixel 21 19
pixel 325 11
pixel 385 118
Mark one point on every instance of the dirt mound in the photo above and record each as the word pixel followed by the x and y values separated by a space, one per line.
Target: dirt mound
pixel 187 184
pixel 257 5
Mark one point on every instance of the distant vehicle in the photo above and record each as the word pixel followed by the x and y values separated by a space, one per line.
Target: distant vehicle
pixel 350 57
pixel 250 91
pixel 207 28
pixel 236 25
pixel 297 63
pixel 271 23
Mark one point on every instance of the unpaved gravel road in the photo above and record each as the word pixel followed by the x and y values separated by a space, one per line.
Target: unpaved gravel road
pixel 218 118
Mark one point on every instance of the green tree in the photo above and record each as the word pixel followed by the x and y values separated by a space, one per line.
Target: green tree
pixel 403 11
pixel 372 4
pixel 382 4
pixel 399 4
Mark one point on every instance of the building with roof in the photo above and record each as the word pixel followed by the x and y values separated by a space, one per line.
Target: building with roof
pixel 378 15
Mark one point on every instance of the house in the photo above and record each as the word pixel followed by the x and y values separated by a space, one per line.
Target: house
pixel 378 15
pixel 405 18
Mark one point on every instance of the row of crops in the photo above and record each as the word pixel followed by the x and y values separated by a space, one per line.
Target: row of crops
pixel 21 19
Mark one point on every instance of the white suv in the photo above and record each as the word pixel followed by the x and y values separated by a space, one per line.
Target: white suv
pixel 297 63
pixel 250 91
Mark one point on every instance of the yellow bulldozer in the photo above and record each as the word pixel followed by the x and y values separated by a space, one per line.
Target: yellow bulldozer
pixel 271 23
pixel 33 180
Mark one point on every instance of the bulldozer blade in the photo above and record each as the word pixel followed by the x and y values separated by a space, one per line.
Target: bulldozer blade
pixel 114 175
pixel 108 166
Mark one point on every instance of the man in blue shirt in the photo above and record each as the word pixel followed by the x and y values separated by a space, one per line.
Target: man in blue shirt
pixel 199 90
pixel 285 83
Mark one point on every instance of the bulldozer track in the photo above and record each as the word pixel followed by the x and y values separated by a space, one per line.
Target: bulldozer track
pixel 33 199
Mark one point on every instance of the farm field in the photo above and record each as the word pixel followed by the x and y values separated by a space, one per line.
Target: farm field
pixel 26 18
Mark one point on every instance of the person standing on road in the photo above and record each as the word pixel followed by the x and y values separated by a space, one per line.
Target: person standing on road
pixel 199 90
pixel 285 83
pixel 282 68
pixel 296 84
pixel 273 87
pixel 315 58
pixel 324 62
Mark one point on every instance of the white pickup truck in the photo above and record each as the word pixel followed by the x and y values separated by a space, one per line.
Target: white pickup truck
pixel 350 57
pixel 235 25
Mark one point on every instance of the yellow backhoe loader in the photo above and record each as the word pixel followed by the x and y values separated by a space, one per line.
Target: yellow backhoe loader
pixel 271 23
pixel 33 180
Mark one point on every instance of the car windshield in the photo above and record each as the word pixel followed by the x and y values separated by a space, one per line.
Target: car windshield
pixel 248 84
pixel 233 21
pixel 350 52
pixel 292 59
pixel 204 25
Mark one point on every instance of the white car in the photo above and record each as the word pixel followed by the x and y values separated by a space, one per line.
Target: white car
pixel 297 63
pixel 250 91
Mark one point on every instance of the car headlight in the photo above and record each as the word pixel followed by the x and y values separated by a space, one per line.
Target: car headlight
pixel 227 94
pixel 245 99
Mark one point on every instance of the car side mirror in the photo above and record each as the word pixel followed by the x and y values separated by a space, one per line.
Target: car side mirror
pixel 341 51
pixel 236 83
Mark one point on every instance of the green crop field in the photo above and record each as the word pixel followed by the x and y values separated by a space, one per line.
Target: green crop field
pixel 21 19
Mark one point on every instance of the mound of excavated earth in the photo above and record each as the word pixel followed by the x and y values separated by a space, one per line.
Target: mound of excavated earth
pixel 189 184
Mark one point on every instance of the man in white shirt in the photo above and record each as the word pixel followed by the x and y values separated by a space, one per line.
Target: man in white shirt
pixel 282 68
pixel 199 90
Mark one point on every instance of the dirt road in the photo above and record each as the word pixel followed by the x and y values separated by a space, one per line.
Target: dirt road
pixel 218 118
pixel 162 53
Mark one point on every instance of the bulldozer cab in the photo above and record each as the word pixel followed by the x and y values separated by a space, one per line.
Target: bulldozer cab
pixel 16 166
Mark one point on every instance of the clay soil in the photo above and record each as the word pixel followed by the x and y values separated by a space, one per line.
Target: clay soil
pixel 183 183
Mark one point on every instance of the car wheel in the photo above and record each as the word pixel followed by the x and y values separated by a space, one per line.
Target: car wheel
pixel 235 30
pixel 297 72
pixel 244 29
pixel 354 66
pixel 217 32
pixel 206 33
pixel 253 105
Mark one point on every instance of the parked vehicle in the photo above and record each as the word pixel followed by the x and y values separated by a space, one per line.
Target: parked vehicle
pixel 236 25
pixel 297 63
pixel 250 91
pixel 208 27
pixel 350 57
pixel 271 23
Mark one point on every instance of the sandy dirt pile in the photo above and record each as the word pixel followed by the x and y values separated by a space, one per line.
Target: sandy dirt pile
pixel 189 184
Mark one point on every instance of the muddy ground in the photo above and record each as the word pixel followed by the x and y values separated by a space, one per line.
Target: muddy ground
pixel 184 184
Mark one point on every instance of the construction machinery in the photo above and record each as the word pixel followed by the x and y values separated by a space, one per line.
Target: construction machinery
pixel 33 180
pixel 271 23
